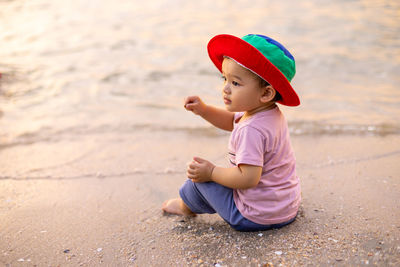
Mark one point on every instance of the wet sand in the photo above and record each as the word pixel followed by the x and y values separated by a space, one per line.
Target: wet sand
pixel 349 214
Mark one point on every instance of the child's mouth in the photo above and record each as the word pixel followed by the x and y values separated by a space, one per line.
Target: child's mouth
pixel 227 101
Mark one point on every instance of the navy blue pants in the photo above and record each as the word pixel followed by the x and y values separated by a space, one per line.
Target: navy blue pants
pixel 215 198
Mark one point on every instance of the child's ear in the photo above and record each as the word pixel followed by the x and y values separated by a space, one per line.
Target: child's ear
pixel 268 94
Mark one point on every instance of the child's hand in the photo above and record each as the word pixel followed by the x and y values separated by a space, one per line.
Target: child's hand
pixel 200 170
pixel 194 104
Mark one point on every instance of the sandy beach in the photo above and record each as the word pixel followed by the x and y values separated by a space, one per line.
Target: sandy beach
pixel 349 215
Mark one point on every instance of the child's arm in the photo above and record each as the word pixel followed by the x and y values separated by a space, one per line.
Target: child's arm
pixel 220 118
pixel 239 177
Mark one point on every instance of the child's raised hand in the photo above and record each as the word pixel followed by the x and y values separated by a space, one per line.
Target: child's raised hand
pixel 194 104
pixel 200 170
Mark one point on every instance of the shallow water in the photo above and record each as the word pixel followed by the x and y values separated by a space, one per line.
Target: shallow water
pixel 84 71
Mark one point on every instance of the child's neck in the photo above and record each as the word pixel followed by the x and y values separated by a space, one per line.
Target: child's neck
pixel 250 113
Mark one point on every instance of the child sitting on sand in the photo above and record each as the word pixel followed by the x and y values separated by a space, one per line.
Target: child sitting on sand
pixel 261 190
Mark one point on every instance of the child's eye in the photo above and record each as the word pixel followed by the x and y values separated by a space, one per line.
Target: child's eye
pixel 223 77
pixel 235 83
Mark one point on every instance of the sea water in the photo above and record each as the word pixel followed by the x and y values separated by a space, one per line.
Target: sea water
pixel 88 71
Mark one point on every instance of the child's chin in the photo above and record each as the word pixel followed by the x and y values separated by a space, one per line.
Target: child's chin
pixel 229 108
pixel 232 109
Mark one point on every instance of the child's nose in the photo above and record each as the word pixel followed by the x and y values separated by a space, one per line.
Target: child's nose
pixel 226 89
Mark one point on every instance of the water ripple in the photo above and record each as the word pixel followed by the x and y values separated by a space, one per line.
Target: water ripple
pixel 301 128
pixel 297 128
pixel 91 175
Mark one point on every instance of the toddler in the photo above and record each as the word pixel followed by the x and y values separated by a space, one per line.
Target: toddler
pixel 260 190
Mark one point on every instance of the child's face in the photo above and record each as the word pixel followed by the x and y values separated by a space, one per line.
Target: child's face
pixel 241 90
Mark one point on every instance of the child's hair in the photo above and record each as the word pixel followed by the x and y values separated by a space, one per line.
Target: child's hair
pixel 264 83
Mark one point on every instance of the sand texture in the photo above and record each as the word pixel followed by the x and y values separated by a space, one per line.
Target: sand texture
pixel 349 216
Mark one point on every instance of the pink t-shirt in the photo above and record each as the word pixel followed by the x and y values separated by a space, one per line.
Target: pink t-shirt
pixel 263 140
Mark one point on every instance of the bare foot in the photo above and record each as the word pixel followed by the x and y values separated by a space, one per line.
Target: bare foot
pixel 177 206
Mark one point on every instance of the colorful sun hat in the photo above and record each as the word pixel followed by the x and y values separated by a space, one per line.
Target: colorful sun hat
pixel 262 55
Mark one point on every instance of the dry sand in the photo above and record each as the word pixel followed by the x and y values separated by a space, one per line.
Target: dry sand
pixel 349 216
